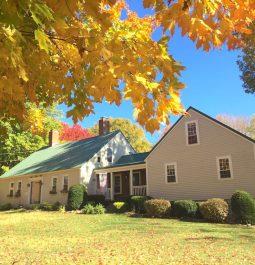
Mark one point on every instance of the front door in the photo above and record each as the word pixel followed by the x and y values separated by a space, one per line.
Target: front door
pixel 35 196
pixel 118 184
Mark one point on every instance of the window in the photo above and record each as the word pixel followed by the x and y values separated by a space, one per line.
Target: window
pixel 109 155
pixel 98 181
pixel 98 159
pixel 224 167
pixel 109 180
pixel 11 191
pixel 54 184
pixel 117 184
pixel 192 133
pixel 19 186
pixel 65 183
pixel 137 181
pixel 171 173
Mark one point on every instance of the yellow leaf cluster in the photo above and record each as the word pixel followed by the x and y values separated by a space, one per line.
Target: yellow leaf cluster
pixel 82 52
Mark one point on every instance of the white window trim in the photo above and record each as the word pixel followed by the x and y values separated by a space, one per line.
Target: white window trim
pixel 52 182
pixel 187 136
pixel 176 174
pixel 118 175
pixel 20 181
pixel 63 182
pixel 230 166
pixel 140 178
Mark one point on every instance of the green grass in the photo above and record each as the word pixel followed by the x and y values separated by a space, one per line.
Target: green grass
pixel 68 238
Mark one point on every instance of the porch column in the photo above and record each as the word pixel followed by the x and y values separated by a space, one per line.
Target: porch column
pixel 112 187
pixel 131 181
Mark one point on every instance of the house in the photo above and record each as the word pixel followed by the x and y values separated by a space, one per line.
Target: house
pixel 46 175
pixel 198 158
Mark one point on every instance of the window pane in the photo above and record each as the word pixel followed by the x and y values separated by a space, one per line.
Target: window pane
pixel 136 179
pixel 224 168
pixel 171 174
pixel 98 182
pixel 19 185
pixel 117 184
pixel 192 133
pixel 65 187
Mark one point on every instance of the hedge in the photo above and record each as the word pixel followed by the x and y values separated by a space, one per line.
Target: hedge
pixel 157 207
pixel 76 195
pixel 243 207
pixel 184 208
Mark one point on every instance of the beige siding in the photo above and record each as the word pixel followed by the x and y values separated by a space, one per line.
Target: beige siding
pixel 46 178
pixel 196 165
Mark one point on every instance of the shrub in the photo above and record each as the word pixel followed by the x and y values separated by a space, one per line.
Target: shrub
pixel 157 208
pixel 57 206
pixel 96 198
pixel 91 209
pixel 215 210
pixel 119 207
pixel 184 208
pixel 243 207
pixel 6 207
pixel 137 203
pixel 46 206
pixel 76 195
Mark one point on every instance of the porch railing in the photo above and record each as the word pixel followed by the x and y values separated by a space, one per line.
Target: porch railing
pixel 139 190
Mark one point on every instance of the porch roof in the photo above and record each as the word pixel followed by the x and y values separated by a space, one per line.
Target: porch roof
pixel 128 160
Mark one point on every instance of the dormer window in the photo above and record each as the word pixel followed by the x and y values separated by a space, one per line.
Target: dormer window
pixel 192 135
pixel 109 155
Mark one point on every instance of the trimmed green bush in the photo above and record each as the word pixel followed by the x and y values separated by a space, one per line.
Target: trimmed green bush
pixel 215 210
pixel 157 207
pixel 57 206
pixel 137 203
pixel 96 198
pixel 119 207
pixel 6 207
pixel 243 207
pixel 76 195
pixel 184 208
pixel 45 206
pixel 91 209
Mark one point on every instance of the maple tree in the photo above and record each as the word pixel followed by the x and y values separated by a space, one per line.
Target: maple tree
pixel 73 133
pixel 20 139
pixel 80 52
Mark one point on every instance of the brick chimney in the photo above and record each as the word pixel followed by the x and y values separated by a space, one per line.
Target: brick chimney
pixel 53 137
pixel 104 126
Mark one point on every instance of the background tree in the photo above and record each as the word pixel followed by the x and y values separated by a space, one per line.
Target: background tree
pixel 133 133
pixel 84 51
pixel 246 62
pixel 244 125
pixel 74 133
pixel 18 140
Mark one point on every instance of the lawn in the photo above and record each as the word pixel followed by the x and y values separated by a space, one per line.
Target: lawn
pixel 68 238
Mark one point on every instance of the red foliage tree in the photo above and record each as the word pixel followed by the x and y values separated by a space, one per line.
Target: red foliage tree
pixel 74 133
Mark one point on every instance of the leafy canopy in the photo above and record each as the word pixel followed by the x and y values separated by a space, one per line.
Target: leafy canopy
pixel 73 133
pixel 80 52
pixel 246 62
pixel 18 140
pixel 132 132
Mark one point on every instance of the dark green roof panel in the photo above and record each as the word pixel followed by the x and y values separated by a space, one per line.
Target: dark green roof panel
pixel 131 159
pixel 62 156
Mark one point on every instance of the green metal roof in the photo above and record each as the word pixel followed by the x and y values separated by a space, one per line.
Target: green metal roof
pixel 131 159
pixel 62 156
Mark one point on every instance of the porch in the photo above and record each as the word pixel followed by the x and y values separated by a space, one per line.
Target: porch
pixel 123 182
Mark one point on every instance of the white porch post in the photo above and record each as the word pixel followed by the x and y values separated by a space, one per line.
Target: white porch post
pixel 131 181
pixel 112 187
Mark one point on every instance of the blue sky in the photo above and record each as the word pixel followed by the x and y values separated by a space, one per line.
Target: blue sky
pixel 212 80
